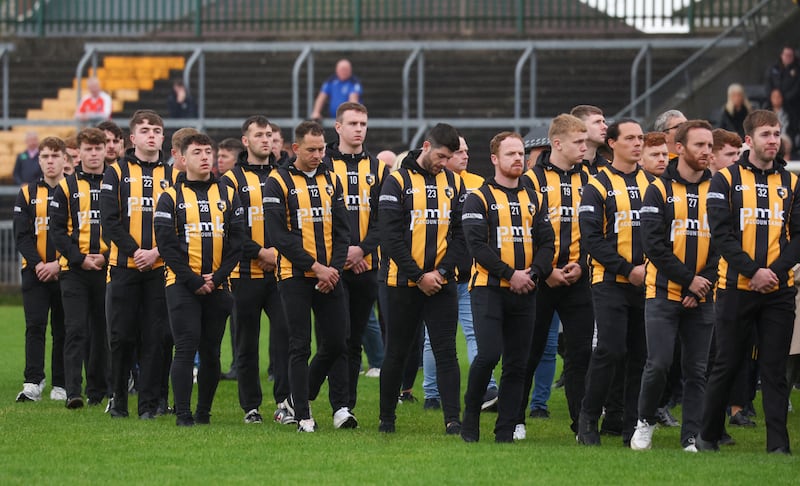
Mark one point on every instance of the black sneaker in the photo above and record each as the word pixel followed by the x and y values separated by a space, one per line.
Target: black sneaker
pixel 727 440
pixel 741 420
pixel 612 424
pixel 432 404
pixel 539 413
pixel 93 402
pixel 407 397
pixel 147 416
pixel 453 428
pixel 470 427
pixel 560 382
pixel 489 398
pixel 74 403
pixel 386 427
pixel 253 417
pixel 703 445
pixel 665 418
pixel 162 408
pixel 202 418
pixel 785 451
pixel 184 421
pixel 229 376
pixel 587 431
pixel 115 413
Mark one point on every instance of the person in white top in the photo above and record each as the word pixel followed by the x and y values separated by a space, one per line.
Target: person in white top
pixel 95 106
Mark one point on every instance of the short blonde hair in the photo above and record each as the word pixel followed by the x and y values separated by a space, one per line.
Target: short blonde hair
pixel 564 124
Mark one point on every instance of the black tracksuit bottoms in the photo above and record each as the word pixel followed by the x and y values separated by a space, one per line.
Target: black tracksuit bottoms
pixel 772 315
pixel 137 316
pixel 40 300
pixel 574 306
pixel 198 324
pixel 619 314
pixel 252 297
pixel 408 308
pixel 83 295
pixel 361 291
pixel 299 298
pixel 504 323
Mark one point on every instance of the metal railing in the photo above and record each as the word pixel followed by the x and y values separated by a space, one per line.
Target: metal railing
pixel 356 18
pixel 679 84
pixel 10 259
pixel 5 50
pixel 415 59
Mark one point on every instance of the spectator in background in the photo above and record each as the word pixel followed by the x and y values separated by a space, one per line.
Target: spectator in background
pixel 95 106
pixel 725 152
pixel 668 122
pixel 281 156
pixel 655 153
pixel 26 168
pixel 785 76
pixel 73 155
pixel 114 142
pixel 387 157
pixel 735 110
pixel 227 154
pixel 180 103
pixel 340 87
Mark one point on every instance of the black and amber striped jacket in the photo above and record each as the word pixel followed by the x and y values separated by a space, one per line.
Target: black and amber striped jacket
pixel 506 229
pixel 609 218
pixel 306 219
pixel 754 216
pixel 199 229
pixel 561 194
pixel 676 236
pixel 130 190
pixel 75 225
pixel 32 224
pixel 420 221
pixel 595 166
pixel 362 176
pixel 250 181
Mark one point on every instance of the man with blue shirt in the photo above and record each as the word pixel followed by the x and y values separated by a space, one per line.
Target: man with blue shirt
pixel 340 87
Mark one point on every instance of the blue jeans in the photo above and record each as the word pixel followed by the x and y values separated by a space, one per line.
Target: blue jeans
pixel 429 385
pixel 373 341
pixel 546 370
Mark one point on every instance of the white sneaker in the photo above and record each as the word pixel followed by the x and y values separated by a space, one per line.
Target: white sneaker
pixel 253 417
pixel 307 425
pixel 30 393
pixel 58 393
pixel 691 447
pixel 343 419
pixel 373 373
pixel 42 384
pixel 642 439
pixel 194 375
pixel 519 432
pixel 284 414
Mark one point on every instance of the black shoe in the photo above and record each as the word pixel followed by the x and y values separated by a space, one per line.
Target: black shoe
pixel 432 404
pixel 489 398
pixel 705 445
pixel 453 428
pixel 147 416
pixel 781 451
pixel 539 413
pixel 162 408
pixel 749 410
pixel 74 403
pixel 560 382
pixel 117 413
pixel 407 397
pixel 93 402
pixel 386 427
pixel 741 420
pixel 184 421
pixel 612 425
pixel 587 431
pixel 230 375
pixel 202 418
pixel 727 440
pixel 665 418
pixel 471 427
